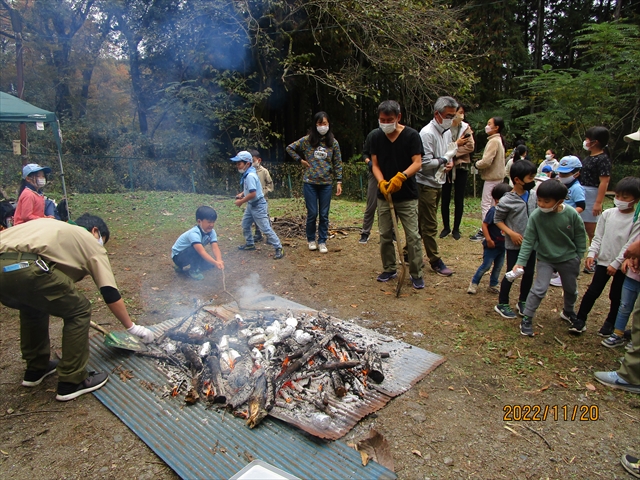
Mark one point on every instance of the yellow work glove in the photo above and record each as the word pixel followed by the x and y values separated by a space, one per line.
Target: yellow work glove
pixel 395 183
pixel 382 186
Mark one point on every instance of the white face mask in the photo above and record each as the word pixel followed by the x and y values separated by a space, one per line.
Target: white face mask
pixel 488 129
pixel 567 180
pixel 446 123
pixel 387 127
pixel 41 182
pixel 100 242
pixel 584 145
pixel 255 164
pixel 622 205
pixel 548 210
pixel 548 158
pixel 322 129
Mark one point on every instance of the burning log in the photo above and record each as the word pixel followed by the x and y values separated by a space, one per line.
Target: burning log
pixel 271 390
pixel 339 365
pixel 215 376
pixel 242 396
pixel 373 365
pixel 338 385
pixel 257 403
pixel 356 385
pixel 193 359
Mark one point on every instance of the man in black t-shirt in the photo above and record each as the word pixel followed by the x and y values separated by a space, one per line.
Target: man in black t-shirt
pixel 396 153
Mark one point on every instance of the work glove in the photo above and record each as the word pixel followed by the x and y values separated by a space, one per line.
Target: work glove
pixel 382 186
pixel 395 183
pixel 452 149
pixel 144 333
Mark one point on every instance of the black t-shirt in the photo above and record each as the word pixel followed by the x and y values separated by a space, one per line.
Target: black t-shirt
pixel 594 167
pixel 394 157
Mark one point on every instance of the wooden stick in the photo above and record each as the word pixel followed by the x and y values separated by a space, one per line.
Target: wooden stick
pixel 29 413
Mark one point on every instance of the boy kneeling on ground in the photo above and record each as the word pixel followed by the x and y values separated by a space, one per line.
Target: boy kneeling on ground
pixel 189 248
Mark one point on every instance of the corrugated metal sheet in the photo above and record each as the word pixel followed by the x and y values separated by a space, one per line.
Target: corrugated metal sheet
pixel 200 443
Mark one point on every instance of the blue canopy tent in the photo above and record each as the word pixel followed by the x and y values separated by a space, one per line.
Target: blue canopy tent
pixel 14 110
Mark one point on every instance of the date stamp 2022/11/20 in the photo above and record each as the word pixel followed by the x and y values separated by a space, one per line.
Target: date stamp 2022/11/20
pixel 542 413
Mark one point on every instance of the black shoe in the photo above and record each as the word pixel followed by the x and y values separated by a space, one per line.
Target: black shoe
pixel 478 237
pixel 247 247
pixel 364 238
pixel 69 391
pixel 445 232
pixel 35 377
pixel 577 326
pixel 386 276
pixel 627 335
pixel 257 238
pixel 417 283
pixel 526 326
pixel 279 254
pixel 606 330
pixel 456 234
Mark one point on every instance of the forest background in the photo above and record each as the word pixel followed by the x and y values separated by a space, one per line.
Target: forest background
pixel 158 94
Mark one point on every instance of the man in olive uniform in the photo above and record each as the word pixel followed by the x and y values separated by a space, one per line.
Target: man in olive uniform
pixel 40 261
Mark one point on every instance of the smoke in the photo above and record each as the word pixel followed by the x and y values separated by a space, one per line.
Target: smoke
pixel 250 290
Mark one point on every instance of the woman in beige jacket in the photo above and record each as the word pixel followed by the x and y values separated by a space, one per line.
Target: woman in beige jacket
pixel 491 166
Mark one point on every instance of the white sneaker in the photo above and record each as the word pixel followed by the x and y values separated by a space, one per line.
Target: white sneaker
pixel 473 288
pixel 313 246
pixel 323 248
pixel 556 282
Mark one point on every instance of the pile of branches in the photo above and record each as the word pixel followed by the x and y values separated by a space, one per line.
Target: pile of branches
pixel 251 365
pixel 290 227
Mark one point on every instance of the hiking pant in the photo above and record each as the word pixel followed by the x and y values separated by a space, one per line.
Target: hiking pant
pixel 407 212
pixel 459 185
pixel 568 272
pixel 372 204
pixel 38 294
pixel 428 200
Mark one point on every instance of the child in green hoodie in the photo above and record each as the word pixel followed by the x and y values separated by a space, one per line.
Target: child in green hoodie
pixel 557 232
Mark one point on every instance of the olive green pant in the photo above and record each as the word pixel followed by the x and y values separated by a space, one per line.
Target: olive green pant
pixel 630 369
pixel 37 295
pixel 407 213
pixel 428 220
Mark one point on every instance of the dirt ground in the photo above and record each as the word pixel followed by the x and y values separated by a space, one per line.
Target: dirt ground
pixel 450 425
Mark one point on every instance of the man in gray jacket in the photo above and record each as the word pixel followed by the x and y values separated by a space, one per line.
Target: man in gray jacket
pixel 437 160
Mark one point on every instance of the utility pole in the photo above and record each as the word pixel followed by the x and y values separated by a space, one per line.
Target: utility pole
pixel 16 24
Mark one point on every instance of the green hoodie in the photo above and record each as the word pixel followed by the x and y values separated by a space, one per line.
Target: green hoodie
pixel 556 237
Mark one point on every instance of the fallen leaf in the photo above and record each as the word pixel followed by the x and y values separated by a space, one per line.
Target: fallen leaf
pixel 563 385
pixel 540 363
pixel 590 387
pixel 3 452
pixel 365 458
pixel 376 447
pixel 423 394
pixel 155 288
pixel 450 388
pixel 574 369
pixel 417 452
pixel 127 269
pixel 354 305
pixel 544 388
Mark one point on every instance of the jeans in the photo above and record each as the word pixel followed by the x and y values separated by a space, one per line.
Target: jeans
pixel 490 256
pixel 318 200
pixel 428 200
pixel 407 212
pixel 189 256
pixel 568 272
pixel 372 203
pixel 460 185
pixel 630 291
pixel 257 212
pixel 596 287
pixel 527 278
pixel 630 369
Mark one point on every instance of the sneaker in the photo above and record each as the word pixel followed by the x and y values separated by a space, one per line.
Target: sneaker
pixel 520 307
pixel 247 247
pixel 445 232
pixel 631 465
pixel 473 288
pixel 478 237
pixel 441 269
pixel 178 269
pixel 495 289
pixel 257 238
pixel 313 246
pixel 606 330
pixel 627 335
pixel 418 283
pixel 578 326
pixel 568 317
pixel 505 310
pixel 195 274
pixel 613 341
pixel 364 238
pixel 386 276
pixel 456 234
pixel 69 391
pixel 35 377
pixel 555 281
pixel 322 247
pixel 526 326
pixel 279 254
pixel 629 347
pixel 612 379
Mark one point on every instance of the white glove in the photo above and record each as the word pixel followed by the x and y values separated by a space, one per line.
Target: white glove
pixel 144 333
pixel 452 149
pixel 441 175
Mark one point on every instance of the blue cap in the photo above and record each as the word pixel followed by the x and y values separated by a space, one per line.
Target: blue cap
pixel 547 169
pixel 568 164
pixel 243 156
pixel 33 168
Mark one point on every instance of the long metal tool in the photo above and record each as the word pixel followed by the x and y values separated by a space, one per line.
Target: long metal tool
pixel 399 256
pixel 121 340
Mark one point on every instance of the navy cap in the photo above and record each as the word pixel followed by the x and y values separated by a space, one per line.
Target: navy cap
pixel 243 156
pixel 547 169
pixel 568 164
pixel 33 168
